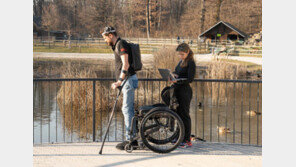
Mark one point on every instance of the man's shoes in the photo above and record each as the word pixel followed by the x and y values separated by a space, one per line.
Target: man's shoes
pixel 120 146
pixel 135 143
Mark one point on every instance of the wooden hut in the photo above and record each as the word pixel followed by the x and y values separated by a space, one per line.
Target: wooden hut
pixel 223 31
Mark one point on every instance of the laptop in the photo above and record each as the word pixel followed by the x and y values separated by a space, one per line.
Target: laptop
pixel 166 73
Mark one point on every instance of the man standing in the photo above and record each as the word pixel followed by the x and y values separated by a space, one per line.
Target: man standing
pixel 123 60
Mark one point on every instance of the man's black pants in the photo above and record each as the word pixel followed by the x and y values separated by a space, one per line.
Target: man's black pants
pixel 183 94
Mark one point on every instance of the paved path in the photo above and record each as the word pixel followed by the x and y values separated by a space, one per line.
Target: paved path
pixel 145 57
pixel 101 56
pixel 202 154
pixel 209 57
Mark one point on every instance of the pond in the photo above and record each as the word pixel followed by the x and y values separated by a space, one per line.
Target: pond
pixel 63 111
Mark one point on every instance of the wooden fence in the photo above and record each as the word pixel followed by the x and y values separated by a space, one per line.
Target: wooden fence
pixel 154 44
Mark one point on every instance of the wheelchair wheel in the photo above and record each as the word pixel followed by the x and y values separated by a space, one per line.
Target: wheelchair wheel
pixel 159 127
pixel 156 140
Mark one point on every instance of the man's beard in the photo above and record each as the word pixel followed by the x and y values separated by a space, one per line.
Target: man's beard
pixel 109 43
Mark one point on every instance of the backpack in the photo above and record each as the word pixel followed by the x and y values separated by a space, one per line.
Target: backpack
pixel 136 56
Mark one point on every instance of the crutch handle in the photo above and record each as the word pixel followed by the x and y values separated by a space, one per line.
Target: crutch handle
pixel 119 88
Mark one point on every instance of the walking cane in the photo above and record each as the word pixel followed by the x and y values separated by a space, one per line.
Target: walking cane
pixel 113 109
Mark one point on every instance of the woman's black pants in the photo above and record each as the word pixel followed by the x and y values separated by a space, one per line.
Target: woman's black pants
pixel 183 94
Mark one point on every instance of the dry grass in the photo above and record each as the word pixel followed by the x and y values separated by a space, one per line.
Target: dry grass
pixel 166 58
pixel 75 99
pixel 223 70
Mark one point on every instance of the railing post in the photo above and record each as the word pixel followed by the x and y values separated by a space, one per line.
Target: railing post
pixel 94 111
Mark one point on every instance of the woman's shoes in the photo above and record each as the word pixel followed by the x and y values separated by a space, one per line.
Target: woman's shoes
pixel 186 144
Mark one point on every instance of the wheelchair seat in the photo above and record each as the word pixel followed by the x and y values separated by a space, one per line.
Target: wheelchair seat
pixel 145 109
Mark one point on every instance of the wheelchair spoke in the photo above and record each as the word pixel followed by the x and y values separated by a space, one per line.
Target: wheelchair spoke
pixel 151 131
pixel 150 126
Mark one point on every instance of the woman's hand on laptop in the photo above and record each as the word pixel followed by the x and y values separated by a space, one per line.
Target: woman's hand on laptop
pixel 171 80
pixel 176 75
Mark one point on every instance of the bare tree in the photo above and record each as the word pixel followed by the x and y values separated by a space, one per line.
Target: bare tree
pixel 159 15
pixel 38 7
pixel 148 18
pixel 219 4
pixel 34 8
pixel 202 16
pixel 50 18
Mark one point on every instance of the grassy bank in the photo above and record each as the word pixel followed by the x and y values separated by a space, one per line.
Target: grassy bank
pixel 250 66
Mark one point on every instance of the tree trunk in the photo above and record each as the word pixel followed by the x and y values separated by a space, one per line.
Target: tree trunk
pixel 40 7
pixel 124 25
pixel 123 17
pixel 35 8
pixel 69 39
pixel 171 13
pixel 48 35
pixel 131 16
pixel 147 19
pixel 219 4
pixel 159 18
pixel 150 16
pixel 179 10
pixel 202 16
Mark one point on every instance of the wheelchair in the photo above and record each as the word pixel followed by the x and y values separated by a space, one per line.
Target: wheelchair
pixel 157 127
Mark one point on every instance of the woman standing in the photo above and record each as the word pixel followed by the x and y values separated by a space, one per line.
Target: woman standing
pixel 183 92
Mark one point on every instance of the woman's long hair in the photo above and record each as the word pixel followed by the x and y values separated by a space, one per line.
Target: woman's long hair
pixel 184 47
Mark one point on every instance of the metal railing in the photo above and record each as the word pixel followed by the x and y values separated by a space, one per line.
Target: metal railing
pixel 76 109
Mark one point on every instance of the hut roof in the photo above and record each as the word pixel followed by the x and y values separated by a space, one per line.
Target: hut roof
pixel 229 26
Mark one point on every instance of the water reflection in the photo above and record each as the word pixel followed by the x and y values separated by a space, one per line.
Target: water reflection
pixel 63 111
pixel 62 118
